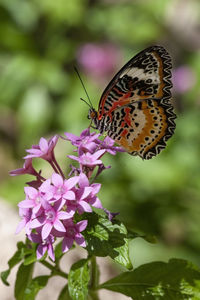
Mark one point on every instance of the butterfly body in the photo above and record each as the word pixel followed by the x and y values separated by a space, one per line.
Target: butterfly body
pixel 135 109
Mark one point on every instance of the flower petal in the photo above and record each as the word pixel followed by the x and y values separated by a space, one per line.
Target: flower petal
pixel 35 238
pixel 62 215
pixel 26 204
pixel 57 180
pixel 98 154
pixel 58 225
pixel 87 190
pixel 41 249
pixel 30 192
pixel 71 182
pixel 83 180
pixel 84 206
pixel 51 252
pixel 96 188
pixel 37 222
pixel 67 244
pixel 80 226
pixel 69 195
pixel 96 202
pixel 72 137
pixel 20 226
pixel 80 240
pixel 46 186
pixel 43 144
pixel 73 157
pixel 46 229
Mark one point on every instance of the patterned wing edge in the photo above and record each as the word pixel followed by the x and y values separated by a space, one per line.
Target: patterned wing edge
pixel 157 49
pixel 165 102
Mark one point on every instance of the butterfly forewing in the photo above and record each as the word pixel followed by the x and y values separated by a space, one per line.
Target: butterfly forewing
pixel 135 108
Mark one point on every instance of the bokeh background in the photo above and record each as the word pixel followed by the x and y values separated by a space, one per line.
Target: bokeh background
pixel 40 43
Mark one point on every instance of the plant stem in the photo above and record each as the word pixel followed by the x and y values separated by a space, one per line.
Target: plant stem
pixel 58 167
pixel 94 273
pixel 55 271
pixel 93 295
pixel 94 279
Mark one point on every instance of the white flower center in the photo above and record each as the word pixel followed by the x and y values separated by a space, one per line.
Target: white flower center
pixel 50 215
pixel 87 160
pixel 60 190
pixel 38 199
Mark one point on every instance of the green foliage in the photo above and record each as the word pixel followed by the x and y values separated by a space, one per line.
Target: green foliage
pixel 34 286
pixel 23 279
pixel 106 238
pixel 78 280
pixel 176 280
pixel 64 294
pixel 13 261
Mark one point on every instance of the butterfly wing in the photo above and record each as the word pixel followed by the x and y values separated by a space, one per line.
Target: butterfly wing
pixel 136 105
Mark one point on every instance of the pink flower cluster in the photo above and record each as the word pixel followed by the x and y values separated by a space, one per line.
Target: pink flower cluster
pixel 99 60
pixel 50 205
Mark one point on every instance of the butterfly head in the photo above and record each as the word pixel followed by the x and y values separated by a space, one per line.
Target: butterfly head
pixel 93 115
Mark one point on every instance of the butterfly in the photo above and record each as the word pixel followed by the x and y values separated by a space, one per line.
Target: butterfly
pixel 135 109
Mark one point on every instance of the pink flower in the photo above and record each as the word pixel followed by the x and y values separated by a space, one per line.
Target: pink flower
pixel 50 204
pixel 183 79
pixel 85 196
pixel 88 159
pixel 44 150
pixel 33 200
pixel 26 215
pixel 80 204
pixel 73 234
pixel 44 245
pixel 99 60
pixel 86 142
pixel 108 145
pixel 51 218
pixel 27 169
pixel 58 188
pixel 92 199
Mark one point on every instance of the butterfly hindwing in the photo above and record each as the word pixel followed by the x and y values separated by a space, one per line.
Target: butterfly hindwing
pixel 142 128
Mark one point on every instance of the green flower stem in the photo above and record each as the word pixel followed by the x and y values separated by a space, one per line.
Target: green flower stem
pixel 94 279
pixel 55 270
pixel 93 295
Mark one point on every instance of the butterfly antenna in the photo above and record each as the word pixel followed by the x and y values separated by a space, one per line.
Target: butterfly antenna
pixel 79 76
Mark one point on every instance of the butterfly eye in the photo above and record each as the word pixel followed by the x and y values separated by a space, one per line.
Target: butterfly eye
pixel 92 114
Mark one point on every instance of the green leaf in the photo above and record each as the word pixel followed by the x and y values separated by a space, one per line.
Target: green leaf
pixel 58 251
pixel 30 259
pixel 148 237
pixel 78 280
pixel 24 275
pixel 13 261
pixel 18 256
pixel 64 294
pixel 106 238
pixel 4 276
pixel 177 279
pixel 30 253
pixel 35 285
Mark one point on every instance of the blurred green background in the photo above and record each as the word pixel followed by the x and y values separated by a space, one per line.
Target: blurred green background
pixel 41 41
